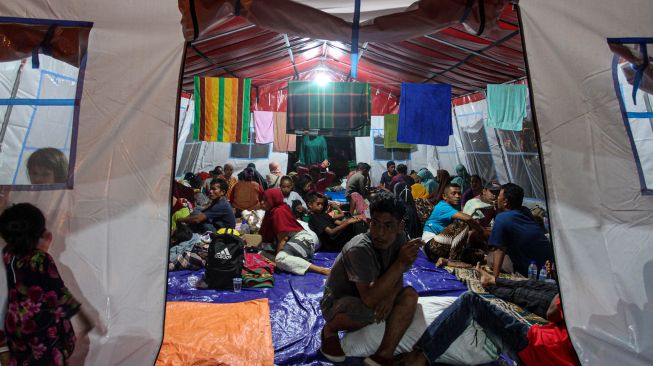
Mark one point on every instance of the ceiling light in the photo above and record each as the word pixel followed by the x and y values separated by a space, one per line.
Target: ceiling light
pixel 322 79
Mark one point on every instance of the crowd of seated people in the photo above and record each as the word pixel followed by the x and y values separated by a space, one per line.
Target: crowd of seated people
pixel 377 233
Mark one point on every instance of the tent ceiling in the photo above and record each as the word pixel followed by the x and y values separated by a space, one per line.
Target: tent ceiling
pixel 238 48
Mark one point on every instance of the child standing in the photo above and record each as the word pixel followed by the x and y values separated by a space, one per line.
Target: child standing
pixel 37 323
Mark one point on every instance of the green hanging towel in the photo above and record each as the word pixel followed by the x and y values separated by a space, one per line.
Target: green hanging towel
pixel 390 124
pixel 506 106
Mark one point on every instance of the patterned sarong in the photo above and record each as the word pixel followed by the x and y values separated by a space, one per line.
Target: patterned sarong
pixel 222 109
pixel 449 243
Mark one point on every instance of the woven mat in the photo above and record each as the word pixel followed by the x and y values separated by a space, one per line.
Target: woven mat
pixel 468 276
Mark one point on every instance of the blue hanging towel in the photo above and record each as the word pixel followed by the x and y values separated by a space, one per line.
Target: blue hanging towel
pixel 506 106
pixel 425 114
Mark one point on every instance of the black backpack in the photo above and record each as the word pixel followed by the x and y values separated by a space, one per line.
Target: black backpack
pixel 225 259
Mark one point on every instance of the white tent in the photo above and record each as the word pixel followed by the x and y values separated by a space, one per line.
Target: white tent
pixel 600 219
pixel 111 229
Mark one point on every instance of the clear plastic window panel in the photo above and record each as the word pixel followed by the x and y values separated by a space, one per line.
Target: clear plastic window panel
pixel 525 171
pixel 479 156
pixel 381 153
pixel 483 165
pixel 252 150
pixel 260 151
pixel 522 158
pixel 31 127
pixel 523 141
pixel 638 115
pixel 240 151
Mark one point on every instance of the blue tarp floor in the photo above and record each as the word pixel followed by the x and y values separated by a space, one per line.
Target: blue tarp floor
pixel 295 314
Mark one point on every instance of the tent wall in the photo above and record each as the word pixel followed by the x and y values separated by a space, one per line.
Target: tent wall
pixel 112 229
pixel 601 222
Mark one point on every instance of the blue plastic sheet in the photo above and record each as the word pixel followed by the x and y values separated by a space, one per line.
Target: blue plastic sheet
pixel 295 313
pixel 338 196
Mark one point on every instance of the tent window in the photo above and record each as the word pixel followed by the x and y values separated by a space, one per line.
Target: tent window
pixel 479 156
pixel 40 93
pixel 383 154
pixel 250 151
pixel 629 69
pixel 447 156
pixel 187 148
pixel 522 158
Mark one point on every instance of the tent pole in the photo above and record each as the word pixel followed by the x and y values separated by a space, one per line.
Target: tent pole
pixel 14 92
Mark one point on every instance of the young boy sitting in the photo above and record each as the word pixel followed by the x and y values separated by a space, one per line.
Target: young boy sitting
pixel 333 233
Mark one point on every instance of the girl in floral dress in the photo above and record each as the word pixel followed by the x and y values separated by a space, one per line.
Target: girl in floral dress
pixel 37 323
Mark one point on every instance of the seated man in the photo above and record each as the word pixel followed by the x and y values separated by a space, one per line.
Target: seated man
pixel 387 176
pixel 333 234
pixel 541 345
pixel 447 231
pixel 358 189
pixel 481 208
pixel 359 182
pixel 517 234
pixel 445 212
pixel 401 176
pixel 366 283
pixel 217 214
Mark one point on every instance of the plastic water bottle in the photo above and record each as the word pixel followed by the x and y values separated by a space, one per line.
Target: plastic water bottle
pixel 244 227
pixel 542 276
pixel 192 280
pixel 532 271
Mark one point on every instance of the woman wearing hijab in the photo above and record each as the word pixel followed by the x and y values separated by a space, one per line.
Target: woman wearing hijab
pixel 418 190
pixel 427 180
pixel 294 246
pixel 274 178
pixel 463 178
pixel 258 178
pixel 247 194
pixel 423 204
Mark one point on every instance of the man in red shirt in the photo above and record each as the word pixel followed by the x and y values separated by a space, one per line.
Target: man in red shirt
pixel 541 345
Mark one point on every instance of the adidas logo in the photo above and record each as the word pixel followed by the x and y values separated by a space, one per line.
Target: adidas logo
pixel 223 254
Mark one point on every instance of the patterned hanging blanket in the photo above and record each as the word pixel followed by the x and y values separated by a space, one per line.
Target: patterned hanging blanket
pixel 222 109
pixel 335 109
